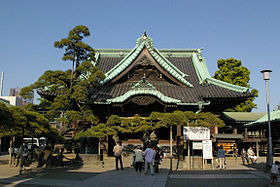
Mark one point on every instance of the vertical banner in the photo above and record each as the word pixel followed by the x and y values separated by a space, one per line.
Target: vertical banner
pixel 207 149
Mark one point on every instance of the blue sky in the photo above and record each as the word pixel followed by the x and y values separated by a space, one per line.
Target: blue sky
pixel 243 29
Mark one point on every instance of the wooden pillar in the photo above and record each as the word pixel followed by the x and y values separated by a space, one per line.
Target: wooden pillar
pixel 171 143
pixel 257 148
pixel 189 154
pixel 216 130
pixel 246 133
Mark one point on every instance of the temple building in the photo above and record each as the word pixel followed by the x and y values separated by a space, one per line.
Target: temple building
pixel 257 133
pixel 235 134
pixel 146 79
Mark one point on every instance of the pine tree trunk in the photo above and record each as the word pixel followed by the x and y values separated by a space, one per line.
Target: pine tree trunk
pixel 72 75
pixel 11 150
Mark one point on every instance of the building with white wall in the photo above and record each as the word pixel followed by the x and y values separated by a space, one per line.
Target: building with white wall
pixel 13 100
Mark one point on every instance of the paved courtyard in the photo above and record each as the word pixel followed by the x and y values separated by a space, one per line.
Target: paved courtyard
pixel 93 174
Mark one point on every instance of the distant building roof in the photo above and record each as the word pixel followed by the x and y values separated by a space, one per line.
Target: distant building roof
pixel 242 116
pixel 274 116
pixel 4 101
pixel 12 100
pixel 228 136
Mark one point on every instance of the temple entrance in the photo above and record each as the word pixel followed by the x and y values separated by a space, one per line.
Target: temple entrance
pixel 132 109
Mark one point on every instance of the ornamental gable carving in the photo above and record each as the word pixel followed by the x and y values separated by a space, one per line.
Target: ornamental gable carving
pixel 144 61
pixel 144 68
pixel 143 100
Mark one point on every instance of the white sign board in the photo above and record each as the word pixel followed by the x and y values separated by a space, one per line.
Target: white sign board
pixel 197 145
pixel 196 133
pixel 207 149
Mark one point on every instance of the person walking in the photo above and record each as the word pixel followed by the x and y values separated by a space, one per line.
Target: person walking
pixel 138 159
pixel 274 173
pixel 118 149
pixel 158 157
pixel 221 157
pixel 244 156
pixel 24 157
pixel 149 155
pixel 235 153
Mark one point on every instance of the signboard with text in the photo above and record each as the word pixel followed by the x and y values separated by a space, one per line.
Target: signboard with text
pixel 207 149
pixel 196 133
pixel 197 145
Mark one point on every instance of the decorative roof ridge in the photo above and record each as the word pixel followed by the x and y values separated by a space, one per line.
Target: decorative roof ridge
pixel 173 70
pixel 178 50
pixel 170 64
pixel 147 42
pixel 126 61
pixel 205 78
pixel 97 56
pixel 226 85
pixel 200 67
pixel 143 84
pixel 117 51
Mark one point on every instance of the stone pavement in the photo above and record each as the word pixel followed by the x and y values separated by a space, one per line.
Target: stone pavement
pixel 93 174
pixel 90 174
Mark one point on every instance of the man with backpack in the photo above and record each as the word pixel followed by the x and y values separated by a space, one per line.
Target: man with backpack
pixel 158 157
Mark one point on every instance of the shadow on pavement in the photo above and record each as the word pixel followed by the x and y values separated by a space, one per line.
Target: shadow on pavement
pixel 258 166
pixel 65 172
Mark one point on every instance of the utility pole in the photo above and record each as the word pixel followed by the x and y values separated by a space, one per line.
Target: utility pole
pixel 1 83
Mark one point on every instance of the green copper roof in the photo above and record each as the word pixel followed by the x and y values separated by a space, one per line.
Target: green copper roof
pixel 226 85
pixel 160 56
pixel 143 87
pixel 274 116
pixel 243 116
pixel 200 66
pixel 147 42
pixel 204 76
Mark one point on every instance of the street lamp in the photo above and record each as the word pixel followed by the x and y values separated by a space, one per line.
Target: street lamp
pixel 269 158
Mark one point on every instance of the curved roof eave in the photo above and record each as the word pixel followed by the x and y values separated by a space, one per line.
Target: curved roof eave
pixel 132 93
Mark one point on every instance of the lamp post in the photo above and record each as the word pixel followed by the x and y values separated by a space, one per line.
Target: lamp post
pixel 269 158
